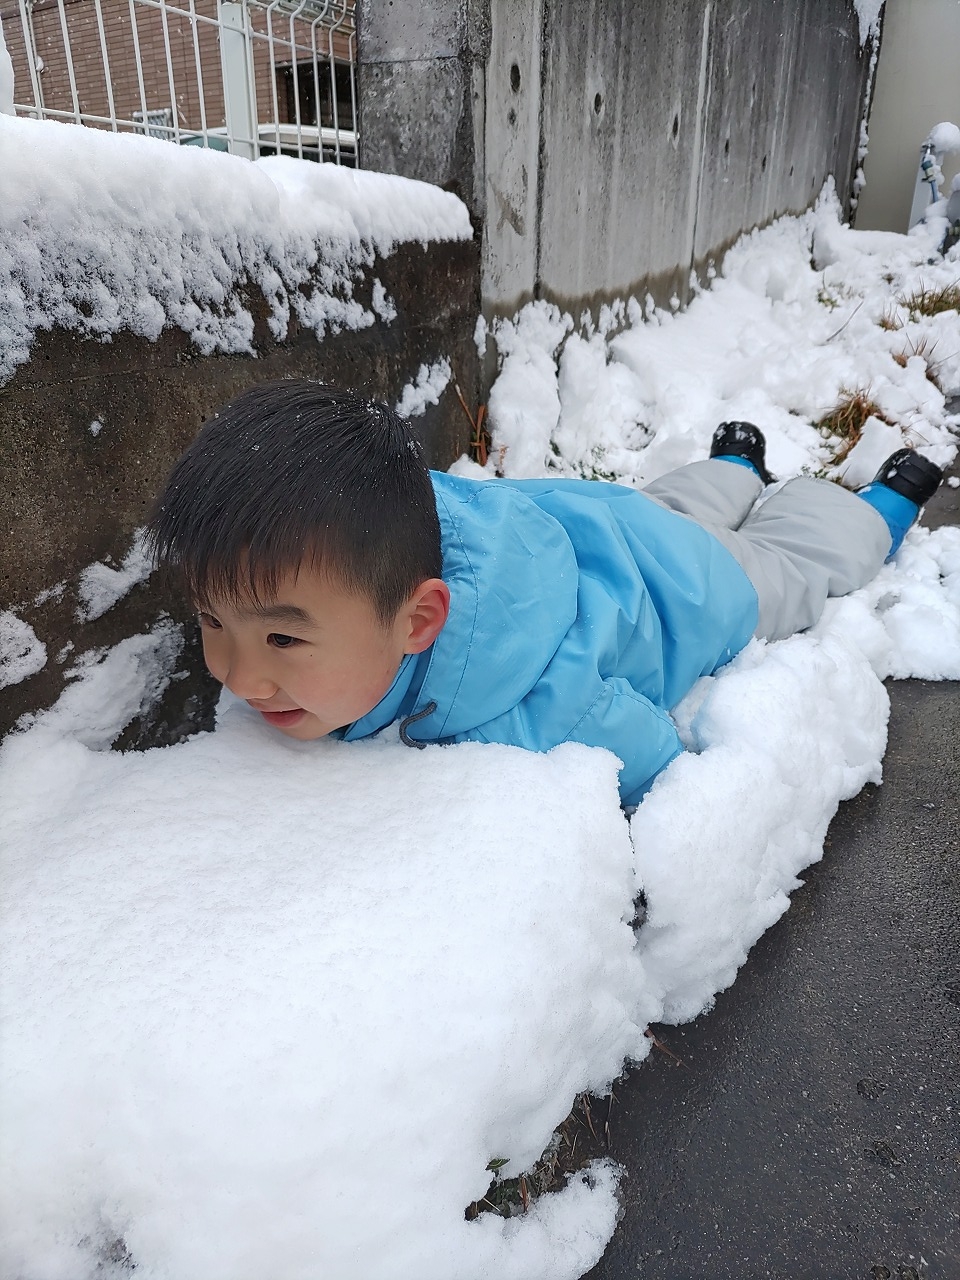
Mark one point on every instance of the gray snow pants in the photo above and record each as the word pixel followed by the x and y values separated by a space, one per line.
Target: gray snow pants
pixel 809 540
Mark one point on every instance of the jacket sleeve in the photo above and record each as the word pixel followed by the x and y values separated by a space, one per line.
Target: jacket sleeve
pixel 628 724
pixel 617 718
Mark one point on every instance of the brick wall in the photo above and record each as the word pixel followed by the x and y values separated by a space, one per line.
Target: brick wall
pixel 154 36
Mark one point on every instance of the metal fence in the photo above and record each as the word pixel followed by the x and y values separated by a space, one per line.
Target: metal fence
pixel 253 77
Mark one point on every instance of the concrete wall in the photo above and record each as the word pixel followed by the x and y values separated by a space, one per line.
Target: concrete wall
pixel 70 497
pixel 420 90
pixel 616 145
pixel 917 86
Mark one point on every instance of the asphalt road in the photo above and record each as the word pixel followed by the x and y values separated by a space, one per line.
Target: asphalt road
pixel 814 1128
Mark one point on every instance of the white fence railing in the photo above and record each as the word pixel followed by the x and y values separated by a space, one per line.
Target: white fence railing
pixel 254 77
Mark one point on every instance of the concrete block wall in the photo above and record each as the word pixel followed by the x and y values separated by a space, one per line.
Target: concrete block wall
pixel 609 148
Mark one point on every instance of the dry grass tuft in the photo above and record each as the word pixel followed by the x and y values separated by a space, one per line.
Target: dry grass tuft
pixel 583 1136
pixel 932 302
pixel 923 348
pixel 890 321
pixel 847 418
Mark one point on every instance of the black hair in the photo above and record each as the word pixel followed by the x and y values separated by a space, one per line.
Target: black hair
pixel 292 473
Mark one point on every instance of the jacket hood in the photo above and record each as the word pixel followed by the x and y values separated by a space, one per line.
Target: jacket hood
pixel 486 662
pixel 483 663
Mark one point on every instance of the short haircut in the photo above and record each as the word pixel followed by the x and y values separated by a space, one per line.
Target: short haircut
pixel 296 473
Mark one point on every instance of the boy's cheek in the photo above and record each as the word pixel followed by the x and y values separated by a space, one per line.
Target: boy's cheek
pixel 210 657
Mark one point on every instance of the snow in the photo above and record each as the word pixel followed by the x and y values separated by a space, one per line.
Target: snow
pixel 863 142
pixel 100 586
pixel 383 305
pixel 272 1007
pixel 945 138
pixel 875 445
pixel 427 387
pixel 868 16
pixel 21 654
pixel 101 232
pixel 785 734
pixel 322 996
pixel 791 322
pixel 525 399
pixel 54 592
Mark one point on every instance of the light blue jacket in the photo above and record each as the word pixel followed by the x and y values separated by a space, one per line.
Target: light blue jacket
pixel 580 612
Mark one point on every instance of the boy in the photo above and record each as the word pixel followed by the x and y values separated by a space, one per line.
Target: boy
pixel 341 586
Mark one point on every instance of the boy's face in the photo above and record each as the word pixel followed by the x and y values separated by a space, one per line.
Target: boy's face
pixel 316 657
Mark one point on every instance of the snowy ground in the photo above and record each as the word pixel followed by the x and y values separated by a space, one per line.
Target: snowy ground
pixel 272 1008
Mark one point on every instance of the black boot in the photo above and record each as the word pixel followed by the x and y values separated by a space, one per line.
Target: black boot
pixel 742 440
pixel 911 475
pixel 904 483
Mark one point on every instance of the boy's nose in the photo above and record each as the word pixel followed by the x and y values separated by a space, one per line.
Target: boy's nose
pixel 249 681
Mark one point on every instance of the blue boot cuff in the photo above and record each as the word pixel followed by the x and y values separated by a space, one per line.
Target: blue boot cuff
pixel 741 462
pixel 898 512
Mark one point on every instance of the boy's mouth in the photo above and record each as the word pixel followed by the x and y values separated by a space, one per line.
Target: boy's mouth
pixel 283 719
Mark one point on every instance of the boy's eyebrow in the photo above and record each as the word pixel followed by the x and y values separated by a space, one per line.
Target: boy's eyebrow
pixel 278 613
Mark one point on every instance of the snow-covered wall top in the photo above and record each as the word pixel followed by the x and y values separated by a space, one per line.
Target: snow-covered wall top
pixel 101 232
pixel 142 286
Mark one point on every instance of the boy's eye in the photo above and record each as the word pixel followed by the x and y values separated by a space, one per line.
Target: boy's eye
pixel 208 620
pixel 280 641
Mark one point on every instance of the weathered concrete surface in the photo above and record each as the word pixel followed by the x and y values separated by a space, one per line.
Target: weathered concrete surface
pixel 813 1130
pixel 607 147
pixel 668 130
pixel 70 497
pixel 509 190
pixel 623 117
pixel 420 89
pixel 784 99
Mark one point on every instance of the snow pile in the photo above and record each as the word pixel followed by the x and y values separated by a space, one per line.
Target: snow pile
pixel 338 1065
pixel 917 602
pixel 272 1008
pixel 22 654
pixel 785 734
pixel 101 232
pixel 782 735
pixel 945 138
pixel 524 401
pixel 100 586
pixel 792 322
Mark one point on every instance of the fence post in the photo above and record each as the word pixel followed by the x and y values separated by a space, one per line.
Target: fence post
pixel 238 90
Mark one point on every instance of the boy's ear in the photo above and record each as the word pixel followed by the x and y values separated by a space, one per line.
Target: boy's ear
pixel 426 613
